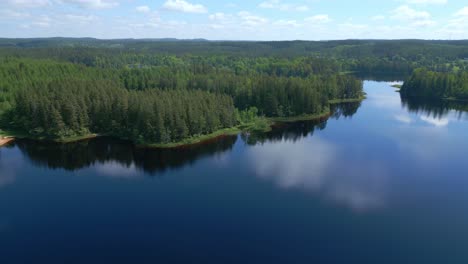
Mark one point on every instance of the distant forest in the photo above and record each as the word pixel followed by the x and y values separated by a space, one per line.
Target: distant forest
pixel 162 91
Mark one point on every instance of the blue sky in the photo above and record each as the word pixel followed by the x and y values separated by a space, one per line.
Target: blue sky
pixel 236 20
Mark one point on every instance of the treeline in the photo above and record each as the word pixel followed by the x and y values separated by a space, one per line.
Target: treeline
pixel 273 95
pixel 279 93
pixel 431 84
pixel 167 100
pixel 411 50
pixel 63 109
pixel 367 56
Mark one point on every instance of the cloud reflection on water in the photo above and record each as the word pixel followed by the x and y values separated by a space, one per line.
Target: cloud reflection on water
pixel 438 122
pixel 402 118
pixel 114 169
pixel 315 165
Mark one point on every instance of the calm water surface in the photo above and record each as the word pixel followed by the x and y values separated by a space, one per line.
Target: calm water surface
pixel 379 182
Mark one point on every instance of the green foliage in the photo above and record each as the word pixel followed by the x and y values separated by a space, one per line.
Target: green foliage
pixel 159 98
pixel 68 109
pixel 430 84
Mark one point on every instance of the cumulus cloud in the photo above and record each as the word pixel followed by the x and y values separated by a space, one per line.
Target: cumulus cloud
pixel 286 23
pixel 83 19
pixel 91 4
pixel 456 26
pixel 184 6
pixel 377 17
pixel 251 20
pixel 414 17
pixel 42 21
pixel 462 12
pixel 220 17
pixel 86 4
pixel 318 19
pixel 277 4
pixel 28 3
pixel 440 2
pixel 143 9
pixel 11 14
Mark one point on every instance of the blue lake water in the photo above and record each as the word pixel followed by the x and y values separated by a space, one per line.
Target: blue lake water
pixel 383 181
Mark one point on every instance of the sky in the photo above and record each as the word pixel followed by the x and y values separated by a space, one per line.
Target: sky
pixel 236 20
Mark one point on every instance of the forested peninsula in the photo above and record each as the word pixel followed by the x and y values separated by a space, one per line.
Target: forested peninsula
pixel 162 105
pixel 437 85
pixel 168 92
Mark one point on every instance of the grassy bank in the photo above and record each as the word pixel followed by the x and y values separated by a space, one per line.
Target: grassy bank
pixel 23 135
pixel 351 100
pixel 194 140
pixel 75 138
pixel 324 114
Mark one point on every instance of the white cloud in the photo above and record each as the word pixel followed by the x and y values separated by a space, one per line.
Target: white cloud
pixel 221 20
pixel 251 20
pixel 424 23
pixel 318 19
pixel 28 3
pixel 286 23
pixel 462 12
pixel 184 6
pixel 277 4
pixel 377 17
pixel 405 12
pixel 416 18
pixel 352 27
pixel 42 21
pixel 439 2
pixel 219 16
pixel 83 19
pixel 457 26
pixel 143 9
pixel 10 14
pixel 91 4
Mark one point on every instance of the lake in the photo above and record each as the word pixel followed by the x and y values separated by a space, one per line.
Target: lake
pixel 382 181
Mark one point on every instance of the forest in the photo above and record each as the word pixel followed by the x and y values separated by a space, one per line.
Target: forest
pixel 436 85
pixel 166 91
pixel 168 100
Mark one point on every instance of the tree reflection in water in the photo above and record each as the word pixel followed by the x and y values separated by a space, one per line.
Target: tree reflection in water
pixel 74 156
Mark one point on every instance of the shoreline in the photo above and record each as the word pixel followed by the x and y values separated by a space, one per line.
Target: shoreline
pixel 271 121
pixel 292 119
pixel 5 141
pixel 450 99
pixel 193 140
pixel 344 101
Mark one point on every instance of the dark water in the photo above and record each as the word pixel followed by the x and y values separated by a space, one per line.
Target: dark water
pixel 384 181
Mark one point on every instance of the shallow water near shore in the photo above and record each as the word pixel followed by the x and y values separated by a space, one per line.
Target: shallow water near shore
pixel 382 181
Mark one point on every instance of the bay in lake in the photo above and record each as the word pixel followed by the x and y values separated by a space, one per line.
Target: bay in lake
pixel 382 181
